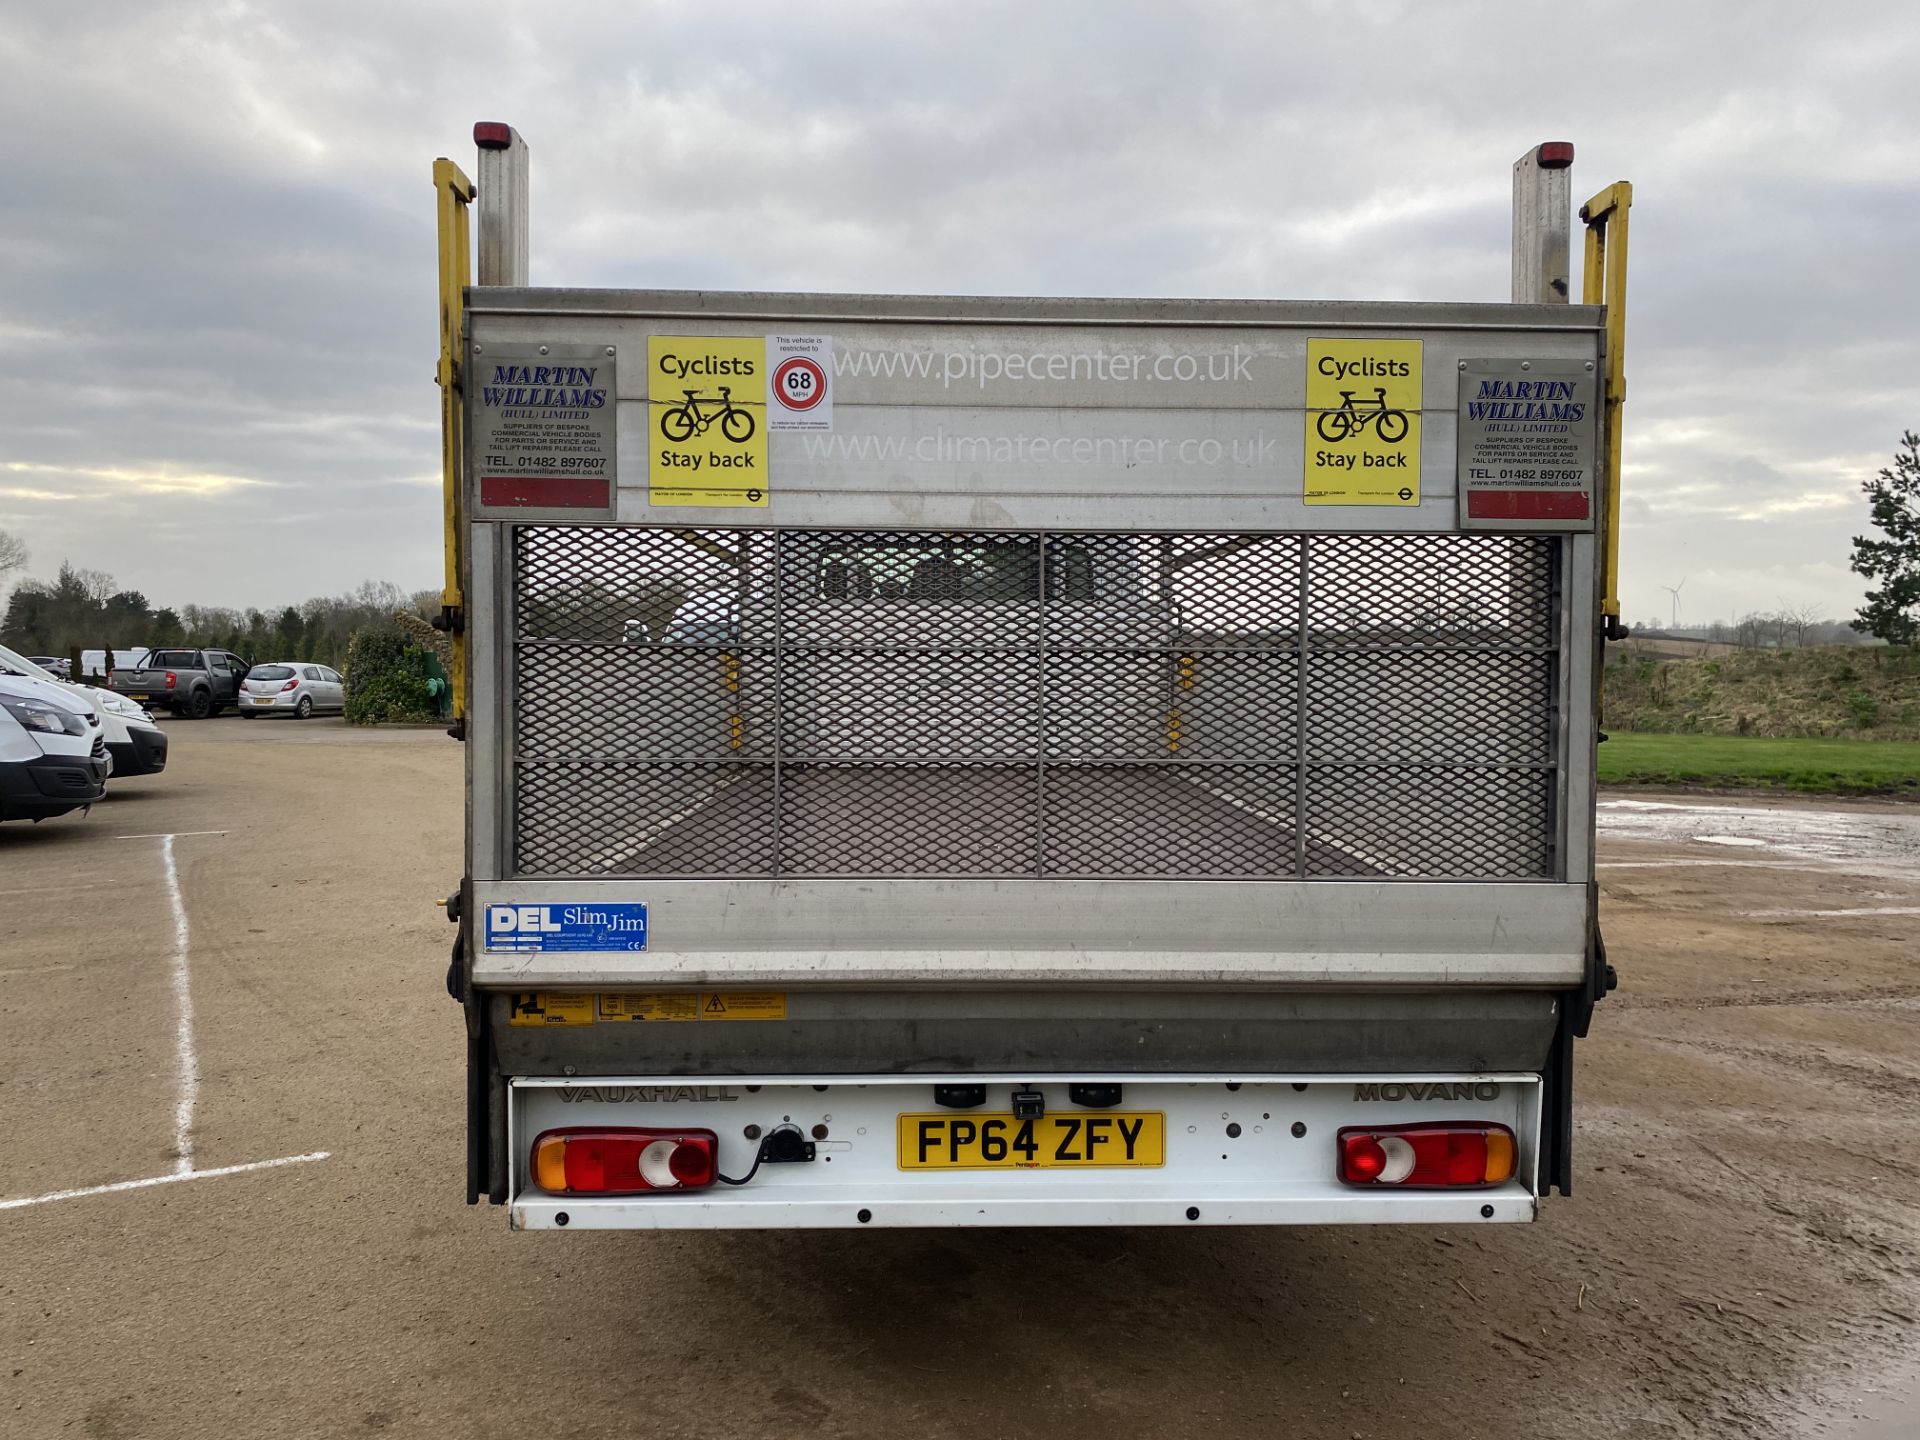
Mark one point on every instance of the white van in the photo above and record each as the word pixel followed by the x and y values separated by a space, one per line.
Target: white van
pixel 53 757
pixel 135 745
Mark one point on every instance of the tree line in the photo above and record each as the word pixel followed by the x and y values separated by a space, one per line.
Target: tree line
pixel 87 610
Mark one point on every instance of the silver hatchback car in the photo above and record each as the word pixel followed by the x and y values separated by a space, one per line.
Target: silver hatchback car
pixel 292 687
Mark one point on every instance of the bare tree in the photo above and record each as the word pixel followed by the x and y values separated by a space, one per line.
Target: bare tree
pixel 1796 621
pixel 13 554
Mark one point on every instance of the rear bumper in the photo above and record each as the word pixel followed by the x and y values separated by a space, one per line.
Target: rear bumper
pixel 1259 1151
pixel 49 785
pixel 143 752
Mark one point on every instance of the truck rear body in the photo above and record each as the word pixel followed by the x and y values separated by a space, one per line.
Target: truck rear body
pixel 1044 797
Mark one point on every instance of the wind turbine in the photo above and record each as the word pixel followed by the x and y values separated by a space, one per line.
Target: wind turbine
pixel 1674 591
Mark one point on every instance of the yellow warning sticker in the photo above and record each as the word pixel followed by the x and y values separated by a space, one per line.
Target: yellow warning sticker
pixel 707 420
pixel 547 1008
pixel 743 1005
pixel 663 1006
pixel 1363 422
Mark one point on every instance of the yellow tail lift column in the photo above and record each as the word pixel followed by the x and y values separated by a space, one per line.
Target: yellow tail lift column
pixel 1605 283
pixel 453 193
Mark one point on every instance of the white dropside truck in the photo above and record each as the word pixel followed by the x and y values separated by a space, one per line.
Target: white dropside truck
pixel 962 761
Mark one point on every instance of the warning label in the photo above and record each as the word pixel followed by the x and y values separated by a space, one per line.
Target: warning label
pixel 551 1009
pixel 744 1005
pixel 664 1006
pixel 1363 422
pixel 562 1008
pixel 707 420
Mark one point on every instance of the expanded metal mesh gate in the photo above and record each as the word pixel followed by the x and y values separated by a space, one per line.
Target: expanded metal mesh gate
pixel 806 703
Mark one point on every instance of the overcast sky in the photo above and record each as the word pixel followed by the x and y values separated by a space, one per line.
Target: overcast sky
pixel 217 324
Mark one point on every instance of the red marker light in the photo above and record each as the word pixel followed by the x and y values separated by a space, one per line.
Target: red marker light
pixel 492 135
pixel 622 1160
pixel 1554 155
pixel 1434 1156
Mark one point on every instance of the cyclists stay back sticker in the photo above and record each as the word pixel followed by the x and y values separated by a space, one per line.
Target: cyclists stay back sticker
pixel 707 420
pixel 1363 422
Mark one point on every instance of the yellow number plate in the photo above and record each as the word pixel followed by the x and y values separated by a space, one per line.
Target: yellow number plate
pixel 1083 1140
pixel 263 699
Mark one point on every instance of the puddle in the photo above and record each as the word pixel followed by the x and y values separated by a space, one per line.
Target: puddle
pixel 1863 842
pixel 1886 1415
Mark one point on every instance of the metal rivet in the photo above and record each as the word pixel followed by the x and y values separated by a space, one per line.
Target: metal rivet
pixel 1233 1132
pixel 864 1216
pixel 1589 365
pixel 1299 1129
pixel 1526 364
pixel 561 1218
pixel 752 1132
pixel 476 350
pixel 609 349
pixel 1463 364
pixel 568 1070
pixel 1193 1212
pixel 1486 1212
pixel 543 349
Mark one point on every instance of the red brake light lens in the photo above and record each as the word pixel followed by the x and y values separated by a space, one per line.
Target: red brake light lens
pixel 291 685
pixel 1436 1156
pixel 1554 155
pixel 171 680
pixel 589 1160
pixel 492 135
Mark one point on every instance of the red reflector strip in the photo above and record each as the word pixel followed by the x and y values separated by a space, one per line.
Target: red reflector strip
pixel 492 135
pixel 559 492
pixel 1555 155
pixel 1527 505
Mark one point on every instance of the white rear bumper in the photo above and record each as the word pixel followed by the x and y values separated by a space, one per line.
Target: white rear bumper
pixel 1253 1151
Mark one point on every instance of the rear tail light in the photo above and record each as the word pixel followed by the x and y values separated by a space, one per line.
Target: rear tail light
pixel 172 680
pixel 591 1160
pixel 291 685
pixel 1426 1157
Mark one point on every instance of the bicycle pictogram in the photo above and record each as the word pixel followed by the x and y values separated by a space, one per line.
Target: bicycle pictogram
pixel 691 418
pixel 1354 416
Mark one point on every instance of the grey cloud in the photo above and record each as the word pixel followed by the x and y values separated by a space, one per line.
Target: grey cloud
pixel 217 257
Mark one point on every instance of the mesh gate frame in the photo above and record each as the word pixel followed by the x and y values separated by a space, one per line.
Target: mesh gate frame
pixel 496 784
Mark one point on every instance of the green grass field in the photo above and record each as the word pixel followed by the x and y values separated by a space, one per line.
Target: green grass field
pixel 1859 767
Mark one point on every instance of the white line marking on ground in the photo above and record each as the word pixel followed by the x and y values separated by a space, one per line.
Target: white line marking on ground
pixel 163 835
pixel 183 1018
pixel 36 969
pixel 1862 910
pixel 172 1179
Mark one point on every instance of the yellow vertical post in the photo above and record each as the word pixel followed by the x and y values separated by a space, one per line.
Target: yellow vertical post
pixel 453 193
pixel 1604 282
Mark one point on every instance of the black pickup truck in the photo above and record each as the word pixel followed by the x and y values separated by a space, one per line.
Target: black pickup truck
pixel 194 683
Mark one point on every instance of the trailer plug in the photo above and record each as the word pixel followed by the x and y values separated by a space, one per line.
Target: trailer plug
pixel 786 1145
pixel 782 1145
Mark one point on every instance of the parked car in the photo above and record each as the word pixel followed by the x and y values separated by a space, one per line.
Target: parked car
pixel 292 687
pixel 135 745
pixel 53 757
pixel 54 665
pixel 195 683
